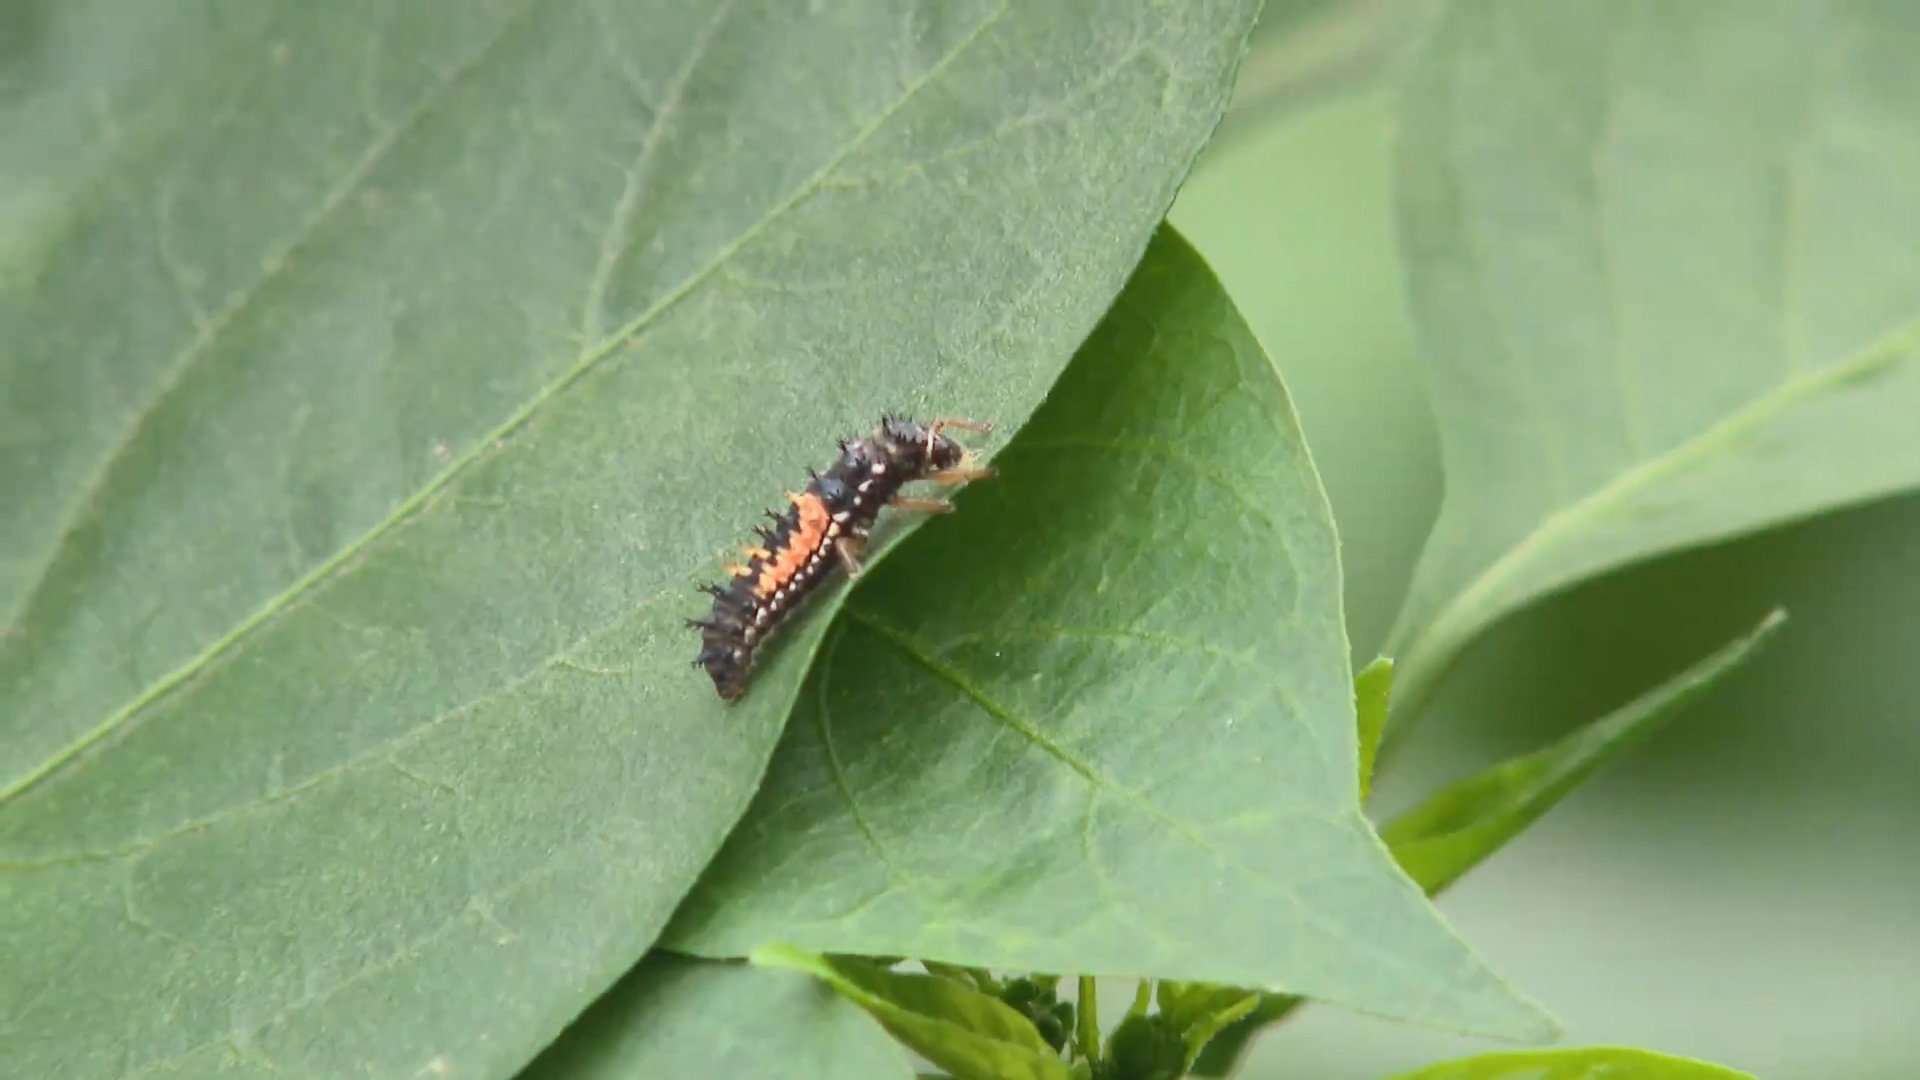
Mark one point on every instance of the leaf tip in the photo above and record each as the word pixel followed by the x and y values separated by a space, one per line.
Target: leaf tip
pixel 780 955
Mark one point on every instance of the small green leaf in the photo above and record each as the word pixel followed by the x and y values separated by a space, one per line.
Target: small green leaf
pixel 1142 998
pixel 1199 1011
pixel 1667 274
pixel 673 1016
pixel 1458 827
pixel 1591 1063
pixel 1221 1056
pixel 965 976
pixel 1185 1004
pixel 1086 1026
pixel 1143 1047
pixel 969 1034
pixel 1372 691
pixel 1103 717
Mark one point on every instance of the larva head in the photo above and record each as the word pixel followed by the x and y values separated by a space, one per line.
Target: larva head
pixel 927 450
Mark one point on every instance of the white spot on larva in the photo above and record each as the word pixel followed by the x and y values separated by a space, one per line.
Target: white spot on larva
pixel 739 654
pixel 865 486
pixel 841 517
pixel 749 633
pixel 879 468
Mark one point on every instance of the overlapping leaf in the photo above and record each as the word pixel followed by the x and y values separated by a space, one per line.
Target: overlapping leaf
pixel 1102 720
pixel 378 380
pixel 1460 826
pixel 673 1017
pixel 1666 258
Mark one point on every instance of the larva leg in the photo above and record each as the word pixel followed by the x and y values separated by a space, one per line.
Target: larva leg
pixel 849 551
pixel 939 424
pixel 958 476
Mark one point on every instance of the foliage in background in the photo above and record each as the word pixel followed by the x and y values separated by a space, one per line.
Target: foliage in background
pixel 1707 381
pixel 1305 52
pixel 1665 267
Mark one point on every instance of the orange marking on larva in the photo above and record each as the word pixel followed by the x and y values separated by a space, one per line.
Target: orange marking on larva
pixel 753 551
pixel 805 539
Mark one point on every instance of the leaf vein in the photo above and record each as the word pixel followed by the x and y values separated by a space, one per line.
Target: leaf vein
pixel 1256 878
pixel 519 417
pixel 381 751
pixel 1480 601
pixel 208 331
pixel 634 188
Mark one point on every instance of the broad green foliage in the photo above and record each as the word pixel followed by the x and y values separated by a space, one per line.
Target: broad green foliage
pixel 1101 719
pixel 379 379
pixel 1458 827
pixel 1596 1063
pixel 970 1034
pixel 677 1017
pixel 1666 261
pixel 1305 52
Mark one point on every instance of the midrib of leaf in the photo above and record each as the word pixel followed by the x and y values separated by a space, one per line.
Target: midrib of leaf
pixel 381 751
pixel 1097 782
pixel 582 364
pixel 914 651
pixel 1432 652
pixel 635 186
pixel 207 331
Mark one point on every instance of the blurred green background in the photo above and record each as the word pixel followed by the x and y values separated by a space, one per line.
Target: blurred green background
pixel 1745 888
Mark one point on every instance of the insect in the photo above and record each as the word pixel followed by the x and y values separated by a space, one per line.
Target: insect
pixel 823 530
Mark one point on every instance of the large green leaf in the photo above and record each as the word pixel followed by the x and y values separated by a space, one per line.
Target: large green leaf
pixel 1307 51
pixel 378 380
pixel 1102 719
pixel 1460 826
pixel 676 1017
pixel 1587 1063
pixel 1666 259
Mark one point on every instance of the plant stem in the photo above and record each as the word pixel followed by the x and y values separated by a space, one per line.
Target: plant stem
pixel 1086 1022
pixel 1142 997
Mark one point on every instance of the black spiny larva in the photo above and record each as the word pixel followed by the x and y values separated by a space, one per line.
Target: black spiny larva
pixel 823 530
